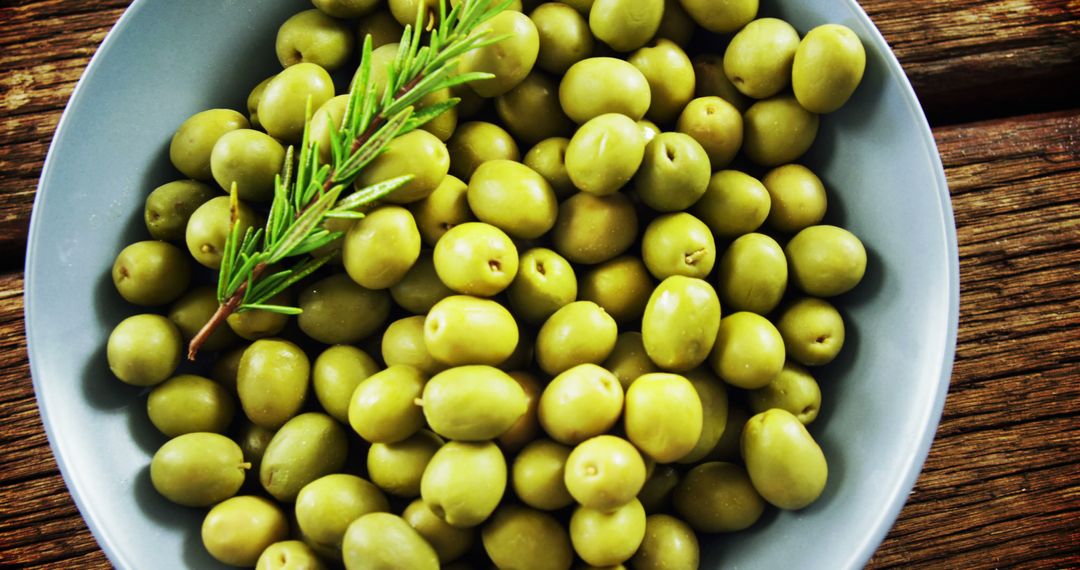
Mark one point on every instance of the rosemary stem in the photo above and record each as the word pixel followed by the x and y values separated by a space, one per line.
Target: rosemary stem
pixel 221 314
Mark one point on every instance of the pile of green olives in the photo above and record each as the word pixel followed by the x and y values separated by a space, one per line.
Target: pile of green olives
pixel 585 334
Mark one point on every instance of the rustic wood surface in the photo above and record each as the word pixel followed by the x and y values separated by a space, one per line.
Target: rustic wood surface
pixel 1001 487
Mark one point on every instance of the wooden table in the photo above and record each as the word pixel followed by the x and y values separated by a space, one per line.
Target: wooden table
pixel 1000 81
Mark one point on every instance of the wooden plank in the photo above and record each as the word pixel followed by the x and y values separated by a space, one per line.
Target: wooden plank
pixel 1001 487
pixel 968 59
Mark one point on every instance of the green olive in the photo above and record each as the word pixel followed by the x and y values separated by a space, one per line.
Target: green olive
pixel 454 324
pixel 605 153
pixel 144 350
pixel 718 497
pixel 548 159
pixel 629 360
pixel 253 440
pixel 225 368
pixel 777 130
pixel 663 416
pixel 670 75
pixel 625 25
pixel 170 206
pixel 336 374
pixel 326 506
pixel 383 408
pixel 749 351
pixel 544 284
pixel 381 26
pixel 538 475
pixel 669 543
pixel 407 11
pixel 582 402
pixel 608 538
pixel 444 125
pixel 531 110
pixel 381 248
pixel 513 198
pixel 604 472
pixel 190 312
pixel 445 208
pixel 734 204
pixel 565 37
pixel 585 216
pixel 189 403
pixel 721 17
pixel 249 159
pixel 421 287
pixel 289 555
pixel 258 323
pixel 712 82
pixel 758 59
pixel 826 261
pixel 198 469
pixel 209 227
pixel 674 173
pixel 578 333
pixel 419 154
pixel 714 406
pixel 476 259
pixel 347 8
pixel 716 125
pixel 727 448
pixel 254 96
pixel 520 537
pixel 449 542
pixel 464 482
pixel 828 66
pixel 510 60
pixel 794 390
pixel 620 286
pixel 338 311
pixel 238 530
pixel 656 494
pixel 784 462
pixel 307 447
pixel 599 85
pixel 527 427
pixel 377 541
pixel 676 24
pixel 314 37
pixel 798 198
pixel 753 274
pixel 813 331
pixel 649 129
pixel 151 273
pixel 680 323
pixel 472 403
pixel 398 467
pixel 476 143
pixel 403 343
pixel 272 381
pixel 678 244
pixel 284 102
pixel 194 141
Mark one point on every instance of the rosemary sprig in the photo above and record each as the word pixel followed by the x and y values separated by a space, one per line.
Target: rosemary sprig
pixel 304 199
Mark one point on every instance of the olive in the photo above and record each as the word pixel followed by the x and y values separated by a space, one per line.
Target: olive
pixel 721 18
pixel 444 208
pixel 670 75
pixel 464 482
pixel 758 59
pixel 544 284
pixel 254 96
pixel 325 507
pixel 714 407
pixel 794 390
pixel 190 312
pixel 676 25
pixel 680 323
pixel 253 440
pixel 383 408
pixel 194 141
pixel 678 244
pixel 813 331
pixel 669 543
pixel 548 159
pixel 826 261
pixel 254 324
pixel 346 8
pixel 288 555
pixel 306 448
pixel 527 427
pixel 377 541
pixel 314 37
pixel 734 204
pixel 407 11
pixel 584 216
pixel 621 287
pixel 718 497
pixel 151 273
pixel 520 537
pixel 380 25
pixel 144 350
pixel 454 324
pixel 419 154
pixel 798 198
pixel 674 173
pixel 513 198
pixel 663 416
pixel 189 403
pixel 209 227
pixel 582 402
pixel 476 143
pixel 538 475
pixel 531 110
pixel 284 103
pixel 629 360
pixel 578 333
pixel 238 530
pixel 604 472
pixel 336 373
pixel 784 462
pixel 472 403
pixel 599 85
pixel 170 206
pixel 198 469
pixel 421 287
pixel 608 538
pixel 338 311
pixel 272 381
pixel 753 274
pixel 605 153
pixel 475 258
pixel 656 494
pixel 828 66
pixel 564 34
pixel 381 248
pixel 449 542
pixel 777 130
pixel 403 343
pixel 749 351
pixel 510 60
pixel 625 25
pixel 398 467
pixel 716 125
pixel 712 82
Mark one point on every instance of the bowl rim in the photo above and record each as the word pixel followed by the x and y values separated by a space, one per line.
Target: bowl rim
pixel 913 466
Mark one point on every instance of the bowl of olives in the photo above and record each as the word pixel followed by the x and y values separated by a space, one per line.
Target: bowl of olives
pixel 663 283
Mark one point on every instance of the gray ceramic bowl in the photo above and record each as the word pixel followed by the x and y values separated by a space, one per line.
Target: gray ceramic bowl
pixel 166 60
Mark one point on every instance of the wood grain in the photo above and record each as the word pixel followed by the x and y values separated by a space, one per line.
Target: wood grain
pixel 968 59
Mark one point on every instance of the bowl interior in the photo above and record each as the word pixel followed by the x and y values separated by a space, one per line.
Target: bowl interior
pixel 167 60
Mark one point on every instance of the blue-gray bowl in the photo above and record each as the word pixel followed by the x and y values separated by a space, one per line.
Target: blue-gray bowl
pixel 166 60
